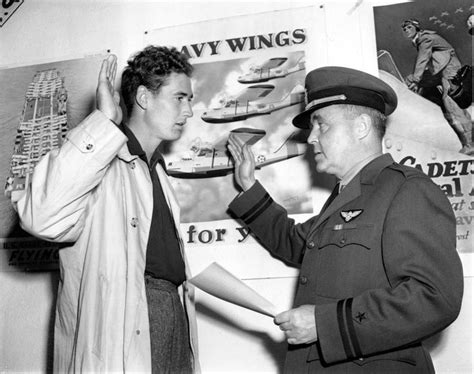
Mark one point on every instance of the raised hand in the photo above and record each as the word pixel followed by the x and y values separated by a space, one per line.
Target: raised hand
pixel 108 99
pixel 299 325
pixel 244 162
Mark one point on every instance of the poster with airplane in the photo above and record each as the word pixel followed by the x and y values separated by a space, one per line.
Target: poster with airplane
pixel 255 97
pixel 432 129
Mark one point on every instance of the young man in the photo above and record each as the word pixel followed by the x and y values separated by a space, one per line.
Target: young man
pixel 438 57
pixel 106 191
pixel 379 267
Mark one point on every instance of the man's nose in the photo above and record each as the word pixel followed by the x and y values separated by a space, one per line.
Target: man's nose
pixel 313 136
pixel 188 110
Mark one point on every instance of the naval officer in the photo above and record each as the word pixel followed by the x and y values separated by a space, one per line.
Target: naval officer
pixel 379 271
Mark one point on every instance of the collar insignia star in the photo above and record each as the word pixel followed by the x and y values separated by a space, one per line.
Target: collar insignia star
pixel 349 215
pixel 360 317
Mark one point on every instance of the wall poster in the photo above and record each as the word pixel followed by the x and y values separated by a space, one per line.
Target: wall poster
pixel 40 103
pixel 427 132
pixel 248 79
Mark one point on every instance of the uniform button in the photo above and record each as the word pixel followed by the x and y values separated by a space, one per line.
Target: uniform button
pixel 89 146
pixel 310 245
pixel 303 280
pixel 343 241
pixel 361 359
pixel 134 222
pixel 138 332
pixel 132 164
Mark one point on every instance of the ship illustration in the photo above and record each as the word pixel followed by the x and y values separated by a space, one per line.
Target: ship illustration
pixel 43 127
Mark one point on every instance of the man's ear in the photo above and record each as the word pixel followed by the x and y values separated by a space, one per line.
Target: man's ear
pixel 363 125
pixel 141 97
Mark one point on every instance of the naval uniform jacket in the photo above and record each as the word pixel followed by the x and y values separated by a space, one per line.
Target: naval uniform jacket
pixel 379 264
pixel 93 193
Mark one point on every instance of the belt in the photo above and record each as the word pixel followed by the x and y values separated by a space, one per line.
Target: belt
pixel 158 283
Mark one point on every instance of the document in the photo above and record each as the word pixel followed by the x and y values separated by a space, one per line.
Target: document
pixel 220 283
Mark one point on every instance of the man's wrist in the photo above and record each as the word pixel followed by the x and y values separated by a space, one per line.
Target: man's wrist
pixel 247 185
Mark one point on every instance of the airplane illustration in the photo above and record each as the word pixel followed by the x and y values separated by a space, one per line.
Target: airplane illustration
pixel 450 26
pixel 277 67
pixel 437 21
pixel 432 18
pixel 444 14
pixel 211 160
pixel 251 102
pixel 459 10
pixel 413 108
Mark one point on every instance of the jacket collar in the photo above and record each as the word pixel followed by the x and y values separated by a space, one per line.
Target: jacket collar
pixel 135 150
pixel 371 171
pixel 125 153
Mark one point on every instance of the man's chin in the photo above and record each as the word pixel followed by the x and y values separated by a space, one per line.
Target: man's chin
pixel 176 135
pixel 320 168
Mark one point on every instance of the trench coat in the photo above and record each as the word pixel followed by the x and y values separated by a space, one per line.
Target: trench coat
pixel 95 195
pixel 379 264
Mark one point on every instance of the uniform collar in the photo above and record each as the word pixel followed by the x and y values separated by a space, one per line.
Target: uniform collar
pixel 356 169
pixel 371 171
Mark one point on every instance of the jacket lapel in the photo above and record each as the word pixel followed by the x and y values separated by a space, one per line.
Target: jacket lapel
pixel 349 193
pixel 124 154
pixel 353 190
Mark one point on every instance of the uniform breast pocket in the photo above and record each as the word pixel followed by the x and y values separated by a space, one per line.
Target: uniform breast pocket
pixel 347 255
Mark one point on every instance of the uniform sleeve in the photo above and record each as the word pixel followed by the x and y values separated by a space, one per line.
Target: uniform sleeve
pixel 53 204
pixel 425 276
pixel 425 52
pixel 270 223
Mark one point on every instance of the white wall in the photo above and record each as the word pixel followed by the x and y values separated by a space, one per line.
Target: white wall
pixel 42 31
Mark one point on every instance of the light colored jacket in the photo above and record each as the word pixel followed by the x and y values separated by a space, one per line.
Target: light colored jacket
pixel 93 193
pixel 434 53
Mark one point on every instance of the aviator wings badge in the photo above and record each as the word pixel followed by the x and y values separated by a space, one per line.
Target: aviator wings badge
pixel 349 215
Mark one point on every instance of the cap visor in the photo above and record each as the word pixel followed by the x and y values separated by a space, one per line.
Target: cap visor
pixel 302 120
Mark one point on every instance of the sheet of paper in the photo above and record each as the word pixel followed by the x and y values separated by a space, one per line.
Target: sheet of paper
pixel 218 282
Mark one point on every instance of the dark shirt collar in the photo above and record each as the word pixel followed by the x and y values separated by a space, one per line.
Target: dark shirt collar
pixel 136 149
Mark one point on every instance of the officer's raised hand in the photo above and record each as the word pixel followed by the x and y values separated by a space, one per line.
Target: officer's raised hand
pixel 108 99
pixel 244 159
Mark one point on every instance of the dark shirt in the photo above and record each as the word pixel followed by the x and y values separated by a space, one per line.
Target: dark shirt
pixel 163 255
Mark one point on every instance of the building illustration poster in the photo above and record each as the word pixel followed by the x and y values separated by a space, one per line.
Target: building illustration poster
pixel 42 102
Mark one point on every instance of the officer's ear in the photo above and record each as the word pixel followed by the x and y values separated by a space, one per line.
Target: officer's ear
pixel 141 97
pixel 363 125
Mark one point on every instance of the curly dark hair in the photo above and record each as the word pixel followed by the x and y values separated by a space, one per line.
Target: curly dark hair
pixel 151 67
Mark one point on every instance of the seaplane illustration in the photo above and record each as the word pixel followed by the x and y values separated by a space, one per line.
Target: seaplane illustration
pixel 277 67
pixel 253 101
pixel 211 160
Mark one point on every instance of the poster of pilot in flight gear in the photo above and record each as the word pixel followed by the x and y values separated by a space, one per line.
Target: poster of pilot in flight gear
pixel 425 52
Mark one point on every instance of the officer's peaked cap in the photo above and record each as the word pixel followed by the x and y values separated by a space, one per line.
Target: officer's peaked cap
pixel 331 85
